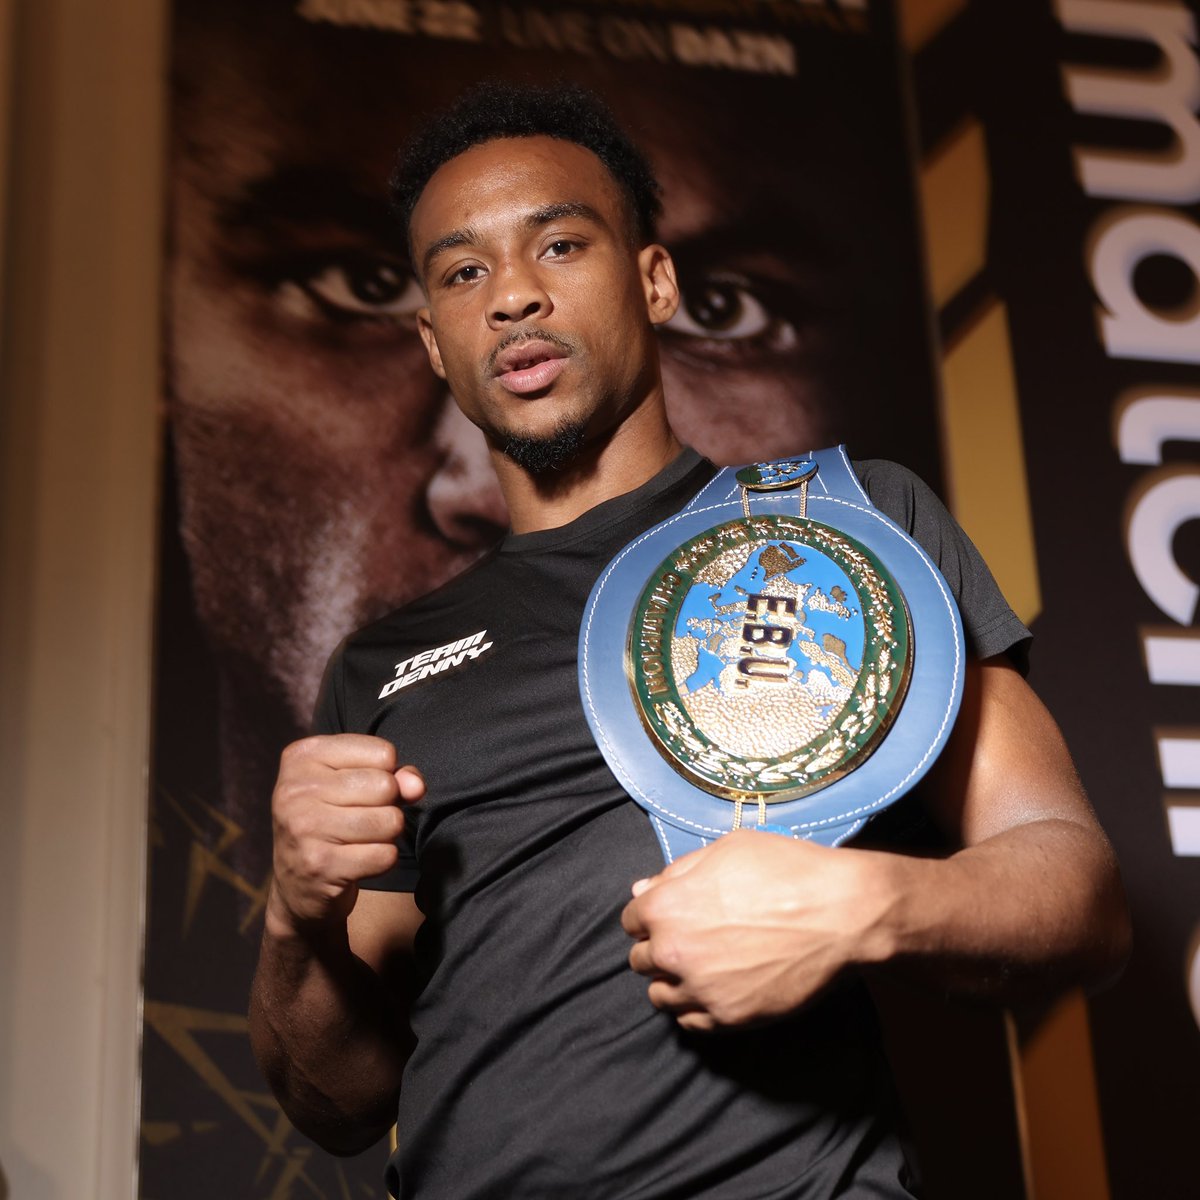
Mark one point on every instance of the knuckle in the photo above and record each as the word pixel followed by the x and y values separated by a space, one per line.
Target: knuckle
pixel 658 994
pixel 382 858
pixel 726 1010
pixel 649 907
pixel 668 954
pixel 293 789
pixel 375 753
pixel 381 786
pixel 285 787
pixel 366 785
pixel 300 749
pixel 312 859
pixel 281 818
pixel 721 1014
pixel 291 802
pixel 302 823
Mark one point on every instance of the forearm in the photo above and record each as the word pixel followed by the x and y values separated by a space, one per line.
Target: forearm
pixel 329 1036
pixel 1033 902
pixel 1035 909
pixel 754 926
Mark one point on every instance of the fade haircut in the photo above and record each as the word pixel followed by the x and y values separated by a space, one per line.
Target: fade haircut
pixel 495 109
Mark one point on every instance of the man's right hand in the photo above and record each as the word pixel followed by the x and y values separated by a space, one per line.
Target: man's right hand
pixel 328 1009
pixel 336 812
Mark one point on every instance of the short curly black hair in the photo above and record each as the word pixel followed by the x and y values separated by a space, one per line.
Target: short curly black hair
pixel 498 109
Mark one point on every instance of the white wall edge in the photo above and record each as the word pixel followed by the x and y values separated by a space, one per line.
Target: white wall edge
pixel 79 367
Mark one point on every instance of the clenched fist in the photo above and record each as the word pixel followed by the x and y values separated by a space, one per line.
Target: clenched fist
pixel 337 813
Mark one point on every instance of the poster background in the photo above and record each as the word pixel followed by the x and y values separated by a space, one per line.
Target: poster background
pixel 1145 1036
pixel 293 373
pixel 1027 403
pixel 1026 303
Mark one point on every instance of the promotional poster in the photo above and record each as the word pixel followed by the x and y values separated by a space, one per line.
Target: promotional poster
pixel 318 473
pixel 959 235
pixel 1079 124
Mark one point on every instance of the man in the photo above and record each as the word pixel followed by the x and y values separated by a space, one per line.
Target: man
pixel 324 476
pixel 543 1063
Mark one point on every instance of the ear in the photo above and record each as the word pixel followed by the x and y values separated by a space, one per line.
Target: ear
pixel 425 329
pixel 657 271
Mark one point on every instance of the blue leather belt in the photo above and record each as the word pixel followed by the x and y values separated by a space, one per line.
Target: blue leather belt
pixel 778 655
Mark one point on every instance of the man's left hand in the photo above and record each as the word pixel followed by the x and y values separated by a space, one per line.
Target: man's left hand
pixel 755 925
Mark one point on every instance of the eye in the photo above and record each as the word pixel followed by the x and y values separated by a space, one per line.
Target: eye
pixel 467 274
pixel 724 309
pixel 360 289
pixel 559 247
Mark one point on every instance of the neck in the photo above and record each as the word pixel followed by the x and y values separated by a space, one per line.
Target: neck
pixel 610 465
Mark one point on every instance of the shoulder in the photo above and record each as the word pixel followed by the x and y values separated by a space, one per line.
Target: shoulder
pixel 900 493
pixel 990 624
pixel 423 632
pixel 919 511
pixel 428 614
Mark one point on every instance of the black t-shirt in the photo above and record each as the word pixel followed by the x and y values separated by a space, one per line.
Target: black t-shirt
pixel 540 1069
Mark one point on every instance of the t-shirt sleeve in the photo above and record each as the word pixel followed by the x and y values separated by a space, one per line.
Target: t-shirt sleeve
pixel 989 624
pixel 328 717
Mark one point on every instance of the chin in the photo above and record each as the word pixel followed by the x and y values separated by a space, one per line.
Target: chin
pixel 542 454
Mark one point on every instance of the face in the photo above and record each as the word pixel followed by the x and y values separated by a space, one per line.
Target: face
pixel 541 308
pixel 308 430
pixel 756 361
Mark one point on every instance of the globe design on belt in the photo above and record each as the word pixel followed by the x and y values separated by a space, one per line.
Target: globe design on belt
pixel 779 655
pixel 766 656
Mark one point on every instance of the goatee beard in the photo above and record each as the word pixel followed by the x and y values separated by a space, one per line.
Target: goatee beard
pixel 543 455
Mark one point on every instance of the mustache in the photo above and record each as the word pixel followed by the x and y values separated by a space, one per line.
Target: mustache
pixel 518 337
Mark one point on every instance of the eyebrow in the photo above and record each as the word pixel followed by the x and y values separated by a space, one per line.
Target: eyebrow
pixel 565 208
pixel 309 196
pixel 532 221
pixel 460 237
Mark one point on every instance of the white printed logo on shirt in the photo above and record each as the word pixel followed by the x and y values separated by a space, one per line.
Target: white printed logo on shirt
pixel 435 661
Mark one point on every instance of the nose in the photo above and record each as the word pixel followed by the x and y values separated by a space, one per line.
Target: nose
pixel 517 295
pixel 464 497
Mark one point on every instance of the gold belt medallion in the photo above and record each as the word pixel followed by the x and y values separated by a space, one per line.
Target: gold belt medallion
pixel 768 656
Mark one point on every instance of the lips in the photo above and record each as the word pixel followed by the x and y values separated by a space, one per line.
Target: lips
pixel 529 367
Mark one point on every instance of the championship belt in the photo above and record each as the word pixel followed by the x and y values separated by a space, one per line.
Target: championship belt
pixel 779 655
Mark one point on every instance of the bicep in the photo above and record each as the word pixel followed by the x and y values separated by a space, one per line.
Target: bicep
pixel 1006 763
pixel 382 928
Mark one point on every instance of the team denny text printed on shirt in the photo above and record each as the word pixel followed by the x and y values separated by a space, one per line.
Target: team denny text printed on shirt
pixel 436 660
